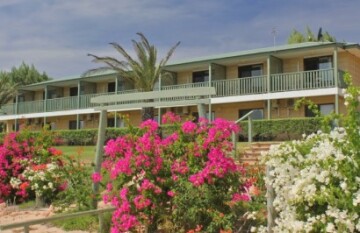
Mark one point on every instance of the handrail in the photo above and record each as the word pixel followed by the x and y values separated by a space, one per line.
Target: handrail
pixel 27 224
pixel 244 117
pixel 247 115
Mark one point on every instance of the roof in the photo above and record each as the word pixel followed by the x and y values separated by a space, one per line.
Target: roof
pixel 206 60
pixel 261 51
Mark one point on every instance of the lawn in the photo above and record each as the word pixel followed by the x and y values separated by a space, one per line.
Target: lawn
pixel 84 153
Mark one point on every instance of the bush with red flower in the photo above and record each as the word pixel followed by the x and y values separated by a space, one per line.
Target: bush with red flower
pixel 178 182
pixel 29 166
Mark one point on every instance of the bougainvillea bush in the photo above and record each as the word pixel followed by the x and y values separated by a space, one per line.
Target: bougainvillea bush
pixel 317 180
pixel 29 166
pixel 184 182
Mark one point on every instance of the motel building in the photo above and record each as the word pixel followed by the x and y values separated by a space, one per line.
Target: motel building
pixel 267 80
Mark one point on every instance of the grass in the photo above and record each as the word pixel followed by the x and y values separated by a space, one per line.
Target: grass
pixel 27 205
pixel 84 153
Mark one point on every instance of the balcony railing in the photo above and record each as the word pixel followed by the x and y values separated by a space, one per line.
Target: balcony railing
pixel 283 82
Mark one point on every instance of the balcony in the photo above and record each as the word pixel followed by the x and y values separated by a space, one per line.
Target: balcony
pixel 297 81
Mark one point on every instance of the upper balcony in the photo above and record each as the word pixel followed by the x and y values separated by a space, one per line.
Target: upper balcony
pixel 283 82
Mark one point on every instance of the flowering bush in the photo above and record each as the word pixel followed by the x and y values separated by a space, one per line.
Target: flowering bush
pixel 28 165
pixel 317 180
pixel 77 193
pixel 178 182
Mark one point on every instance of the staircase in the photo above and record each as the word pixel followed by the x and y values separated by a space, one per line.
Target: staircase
pixel 251 153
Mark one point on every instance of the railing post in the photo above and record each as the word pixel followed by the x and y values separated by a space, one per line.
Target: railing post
pixel 250 128
pixel 26 229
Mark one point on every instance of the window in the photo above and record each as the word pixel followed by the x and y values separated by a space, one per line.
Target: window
pixel 325 109
pixel 257 114
pixel 200 76
pixel 111 87
pixel 250 71
pixel 73 91
pixel 72 124
pixel 317 63
pixel 111 122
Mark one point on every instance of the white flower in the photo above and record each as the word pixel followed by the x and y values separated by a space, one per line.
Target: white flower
pixel 330 227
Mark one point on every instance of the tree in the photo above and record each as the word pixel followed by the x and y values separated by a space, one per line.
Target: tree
pixel 143 71
pixel 7 88
pixel 296 37
pixel 21 76
pixel 25 75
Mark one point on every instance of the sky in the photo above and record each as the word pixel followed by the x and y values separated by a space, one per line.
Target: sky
pixel 56 35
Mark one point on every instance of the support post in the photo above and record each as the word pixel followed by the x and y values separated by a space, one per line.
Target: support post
pixel 159 109
pixel 270 196
pixel 233 138
pixel 16 112
pixel 250 136
pixel 201 110
pixel 99 153
pixel 45 104
pixel 210 80
pixel 336 79
pixel 268 85
pixel 116 91
pixel 78 106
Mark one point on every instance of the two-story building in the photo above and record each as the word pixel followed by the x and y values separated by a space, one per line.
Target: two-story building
pixel 268 80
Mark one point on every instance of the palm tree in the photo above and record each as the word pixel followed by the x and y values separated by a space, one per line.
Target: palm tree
pixel 7 89
pixel 296 37
pixel 143 71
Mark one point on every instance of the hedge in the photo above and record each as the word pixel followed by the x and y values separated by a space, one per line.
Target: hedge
pixel 280 129
pixel 263 130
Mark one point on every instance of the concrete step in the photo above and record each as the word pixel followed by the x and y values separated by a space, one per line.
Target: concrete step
pixel 251 154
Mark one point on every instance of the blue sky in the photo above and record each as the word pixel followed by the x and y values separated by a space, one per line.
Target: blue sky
pixel 57 35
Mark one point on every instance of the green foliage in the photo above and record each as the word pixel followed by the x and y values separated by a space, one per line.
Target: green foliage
pixel 85 223
pixel 78 185
pixel 296 37
pixel 24 75
pixel 7 88
pixel 142 71
pixel 281 129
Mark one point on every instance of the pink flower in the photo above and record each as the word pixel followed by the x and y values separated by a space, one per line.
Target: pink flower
pixel 241 197
pixel 96 177
pixel 141 202
pixel 170 193
pixel 189 127
pixel 150 125
pixel 170 118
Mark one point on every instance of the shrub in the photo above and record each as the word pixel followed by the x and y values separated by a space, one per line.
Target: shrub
pixel 180 182
pixel 281 129
pixel 316 180
pixel 29 165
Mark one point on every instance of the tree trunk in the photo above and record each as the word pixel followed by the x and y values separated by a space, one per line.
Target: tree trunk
pixel 147 113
